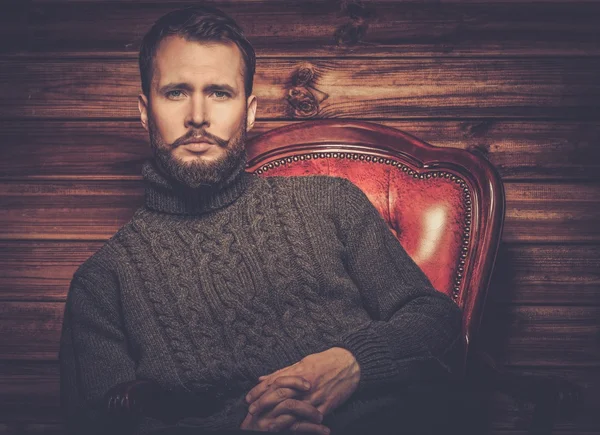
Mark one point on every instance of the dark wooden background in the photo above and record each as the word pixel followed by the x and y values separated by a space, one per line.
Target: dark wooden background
pixel 518 81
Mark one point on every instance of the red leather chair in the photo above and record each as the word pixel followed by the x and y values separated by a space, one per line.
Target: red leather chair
pixel 445 206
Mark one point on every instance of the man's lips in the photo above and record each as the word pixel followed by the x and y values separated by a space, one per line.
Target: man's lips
pixel 197 147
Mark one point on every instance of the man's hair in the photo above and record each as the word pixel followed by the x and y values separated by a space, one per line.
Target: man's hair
pixel 196 23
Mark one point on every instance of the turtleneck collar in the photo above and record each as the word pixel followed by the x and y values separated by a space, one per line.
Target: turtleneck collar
pixel 166 196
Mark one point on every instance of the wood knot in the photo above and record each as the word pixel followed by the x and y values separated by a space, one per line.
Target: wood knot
pixel 354 32
pixel 303 76
pixel 303 102
pixel 478 129
pixel 349 34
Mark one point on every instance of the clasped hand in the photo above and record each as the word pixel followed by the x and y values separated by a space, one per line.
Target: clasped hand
pixel 297 397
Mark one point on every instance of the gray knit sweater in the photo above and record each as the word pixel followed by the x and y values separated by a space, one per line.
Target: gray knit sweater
pixel 205 291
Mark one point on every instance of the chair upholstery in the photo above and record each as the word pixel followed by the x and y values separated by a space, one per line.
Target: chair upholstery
pixel 445 206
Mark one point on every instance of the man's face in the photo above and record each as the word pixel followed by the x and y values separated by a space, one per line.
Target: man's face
pixel 197 114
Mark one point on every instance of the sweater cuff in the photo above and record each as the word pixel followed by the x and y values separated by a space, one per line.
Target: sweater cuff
pixel 373 356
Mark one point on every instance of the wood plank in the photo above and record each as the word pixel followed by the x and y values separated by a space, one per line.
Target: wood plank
pixel 546 274
pixel 345 88
pixel 516 335
pixel 531 274
pixel 29 393
pixel 40 271
pixel 539 212
pixel 30 330
pixel 541 335
pixel 560 150
pixel 88 210
pixel 67 210
pixel 325 28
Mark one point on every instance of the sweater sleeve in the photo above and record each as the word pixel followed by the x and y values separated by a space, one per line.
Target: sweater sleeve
pixel 93 354
pixel 415 331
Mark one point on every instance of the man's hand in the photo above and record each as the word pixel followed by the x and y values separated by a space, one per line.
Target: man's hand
pixel 285 412
pixel 333 376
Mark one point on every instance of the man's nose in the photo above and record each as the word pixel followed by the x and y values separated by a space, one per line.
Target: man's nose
pixel 198 113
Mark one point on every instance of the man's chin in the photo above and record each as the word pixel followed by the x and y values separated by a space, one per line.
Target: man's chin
pixel 196 160
pixel 197 173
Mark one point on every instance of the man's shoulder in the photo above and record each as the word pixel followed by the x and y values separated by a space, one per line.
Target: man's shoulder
pixel 106 259
pixel 312 183
pixel 321 190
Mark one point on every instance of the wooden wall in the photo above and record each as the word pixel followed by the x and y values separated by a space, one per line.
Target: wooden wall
pixel 515 80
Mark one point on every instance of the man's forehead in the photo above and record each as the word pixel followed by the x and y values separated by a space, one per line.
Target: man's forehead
pixel 180 59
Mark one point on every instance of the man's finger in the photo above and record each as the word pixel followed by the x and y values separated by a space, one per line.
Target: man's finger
pixel 271 398
pixel 296 382
pixel 282 388
pixel 257 391
pixel 277 372
pixel 290 423
pixel 306 427
pixel 297 408
pixel 247 421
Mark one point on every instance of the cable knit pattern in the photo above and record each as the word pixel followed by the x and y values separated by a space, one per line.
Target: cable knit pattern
pixel 321 320
pixel 204 291
pixel 142 247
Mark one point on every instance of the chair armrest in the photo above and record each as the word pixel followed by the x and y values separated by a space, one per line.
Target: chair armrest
pixel 553 396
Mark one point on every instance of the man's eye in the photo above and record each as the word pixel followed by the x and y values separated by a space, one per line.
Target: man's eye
pixel 220 95
pixel 174 94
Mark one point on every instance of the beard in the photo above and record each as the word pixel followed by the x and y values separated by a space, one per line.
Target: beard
pixel 198 174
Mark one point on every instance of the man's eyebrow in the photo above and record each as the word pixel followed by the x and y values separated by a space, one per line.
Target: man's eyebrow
pixel 171 86
pixel 220 87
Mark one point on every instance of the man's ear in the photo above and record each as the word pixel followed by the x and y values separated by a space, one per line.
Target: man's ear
pixel 143 108
pixel 251 113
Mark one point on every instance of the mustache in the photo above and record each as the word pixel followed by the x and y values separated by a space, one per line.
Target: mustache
pixel 195 135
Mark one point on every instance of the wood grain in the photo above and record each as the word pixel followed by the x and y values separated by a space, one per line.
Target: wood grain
pixel 552 212
pixel 317 88
pixel 40 271
pixel 547 336
pixel 561 150
pixel 30 330
pixel 87 210
pixel 517 335
pixel 524 274
pixel 323 28
pixel 67 210
pixel 546 274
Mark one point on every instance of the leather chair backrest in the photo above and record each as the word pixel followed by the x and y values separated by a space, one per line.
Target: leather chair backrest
pixel 445 205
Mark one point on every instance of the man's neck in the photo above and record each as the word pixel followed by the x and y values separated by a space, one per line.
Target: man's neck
pixel 167 196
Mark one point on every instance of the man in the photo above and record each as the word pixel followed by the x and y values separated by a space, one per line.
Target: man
pixel 287 301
